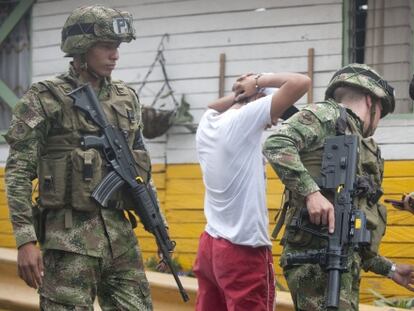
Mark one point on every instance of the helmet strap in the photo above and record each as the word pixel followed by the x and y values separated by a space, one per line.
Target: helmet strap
pixel 83 63
pixel 84 67
pixel 370 130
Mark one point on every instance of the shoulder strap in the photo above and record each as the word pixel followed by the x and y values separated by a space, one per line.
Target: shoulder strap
pixel 281 214
pixel 342 122
pixel 52 87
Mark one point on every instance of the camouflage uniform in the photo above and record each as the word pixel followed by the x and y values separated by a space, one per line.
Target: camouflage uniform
pixel 295 153
pixel 88 250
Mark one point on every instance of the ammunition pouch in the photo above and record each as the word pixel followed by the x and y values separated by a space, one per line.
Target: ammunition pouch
pixel 376 223
pixel 86 174
pixel 367 188
pixel 53 174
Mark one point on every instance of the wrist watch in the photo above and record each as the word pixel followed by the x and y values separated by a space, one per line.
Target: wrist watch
pixel 392 271
pixel 256 78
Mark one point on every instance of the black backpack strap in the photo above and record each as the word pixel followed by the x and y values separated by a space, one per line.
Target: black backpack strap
pixel 281 214
pixel 341 122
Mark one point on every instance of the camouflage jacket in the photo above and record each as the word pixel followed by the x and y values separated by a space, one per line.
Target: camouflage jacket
pixel 299 140
pixel 89 233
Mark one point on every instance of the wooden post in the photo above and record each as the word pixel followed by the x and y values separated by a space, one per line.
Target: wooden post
pixel 311 56
pixel 222 74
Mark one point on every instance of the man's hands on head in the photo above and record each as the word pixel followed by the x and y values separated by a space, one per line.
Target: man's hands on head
pixel 321 211
pixel 244 87
pixel 30 264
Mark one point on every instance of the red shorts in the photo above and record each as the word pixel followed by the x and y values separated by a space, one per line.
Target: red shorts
pixel 233 277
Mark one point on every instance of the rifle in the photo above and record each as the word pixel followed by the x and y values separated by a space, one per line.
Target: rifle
pixel 338 175
pixel 117 152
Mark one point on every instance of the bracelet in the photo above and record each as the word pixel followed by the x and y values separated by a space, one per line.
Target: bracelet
pixel 256 78
pixel 392 271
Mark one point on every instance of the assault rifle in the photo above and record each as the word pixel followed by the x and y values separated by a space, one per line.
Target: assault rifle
pixel 338 175
pixel 117 152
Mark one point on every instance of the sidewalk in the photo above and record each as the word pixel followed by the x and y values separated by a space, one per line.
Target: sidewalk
pixel 16 295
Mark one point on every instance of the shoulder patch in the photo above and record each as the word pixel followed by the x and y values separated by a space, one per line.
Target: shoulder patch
pixel 120 88
pixel 306 117
pixel 26 111
pixel 18 130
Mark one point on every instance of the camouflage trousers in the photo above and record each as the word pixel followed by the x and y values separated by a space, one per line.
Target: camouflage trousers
pixel 73 281
pixel 308 285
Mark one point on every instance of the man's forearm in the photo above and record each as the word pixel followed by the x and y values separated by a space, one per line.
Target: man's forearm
pixel 291 86
pixel 19 190
pixel 223 103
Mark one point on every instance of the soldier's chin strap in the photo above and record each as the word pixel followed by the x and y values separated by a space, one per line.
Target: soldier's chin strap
pixel 84 67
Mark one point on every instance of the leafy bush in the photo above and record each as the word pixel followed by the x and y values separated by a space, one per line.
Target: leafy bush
pixel 403 303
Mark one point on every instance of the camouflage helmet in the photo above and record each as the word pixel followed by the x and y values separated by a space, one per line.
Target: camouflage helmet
pixel 88 25
pixel 364 77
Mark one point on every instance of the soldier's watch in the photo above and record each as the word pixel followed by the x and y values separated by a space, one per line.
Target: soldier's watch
pixel 392 271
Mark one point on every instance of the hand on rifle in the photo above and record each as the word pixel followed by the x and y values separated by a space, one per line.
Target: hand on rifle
pixel 404 276
pixel 321 211
pixel 162 266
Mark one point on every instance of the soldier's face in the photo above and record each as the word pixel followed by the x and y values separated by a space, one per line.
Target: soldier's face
pixel 102 57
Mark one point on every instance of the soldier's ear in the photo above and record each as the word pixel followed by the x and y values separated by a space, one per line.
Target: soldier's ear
pixel 368 101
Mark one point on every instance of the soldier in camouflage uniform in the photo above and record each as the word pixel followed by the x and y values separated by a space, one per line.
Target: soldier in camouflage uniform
pixel 295 153
pixel 87 250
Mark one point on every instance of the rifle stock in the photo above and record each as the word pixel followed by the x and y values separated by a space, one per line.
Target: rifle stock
pixel 115 148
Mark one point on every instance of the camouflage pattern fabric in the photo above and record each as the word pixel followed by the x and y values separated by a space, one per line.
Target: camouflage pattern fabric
pixel 26 136
pixel 307 284
pixel 363 76
pixel 88 25
pixel 305 132
pixel 70 282
pixel 378 265
pixel 99 239
pixel 302 137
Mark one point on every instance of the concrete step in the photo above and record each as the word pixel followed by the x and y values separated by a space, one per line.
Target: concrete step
pixel 16 295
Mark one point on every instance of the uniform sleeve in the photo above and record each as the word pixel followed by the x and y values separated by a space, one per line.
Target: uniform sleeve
pixel 25 136
pixel 378 264
pixel 303 132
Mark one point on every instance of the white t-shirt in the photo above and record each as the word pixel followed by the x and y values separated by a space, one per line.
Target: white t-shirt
pixel 230 155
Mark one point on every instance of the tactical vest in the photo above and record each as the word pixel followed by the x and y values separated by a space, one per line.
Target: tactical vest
pixel 67 173
pixel 369 178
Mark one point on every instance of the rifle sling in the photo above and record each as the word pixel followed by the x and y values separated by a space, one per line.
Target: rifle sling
pixel 281 215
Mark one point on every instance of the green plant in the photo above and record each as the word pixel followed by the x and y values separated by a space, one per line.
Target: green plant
pixel 403 303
